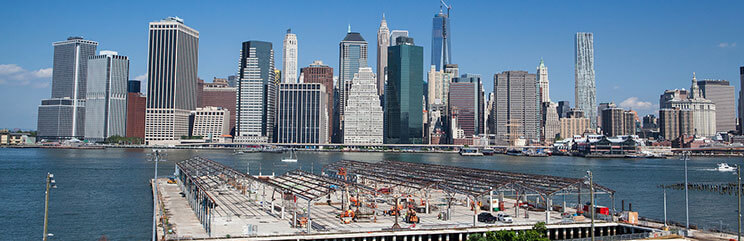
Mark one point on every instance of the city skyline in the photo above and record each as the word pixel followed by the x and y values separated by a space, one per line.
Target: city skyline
pixel 703 45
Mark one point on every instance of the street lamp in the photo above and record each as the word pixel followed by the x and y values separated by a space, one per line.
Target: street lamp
pixel 686 156
pixel 738 206
pixel 156 156
pixel 591 198
pixel 50 183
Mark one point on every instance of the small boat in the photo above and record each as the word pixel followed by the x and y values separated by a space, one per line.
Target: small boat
pixel 291 158
pixel 724 167
pixel 514 152
pixel 470 152
pixel 488 151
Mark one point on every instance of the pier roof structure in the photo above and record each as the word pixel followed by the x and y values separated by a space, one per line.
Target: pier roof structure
pixel 467 181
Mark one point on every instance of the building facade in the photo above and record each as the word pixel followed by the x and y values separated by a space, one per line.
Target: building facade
pixel 404 94
pixel 364 116
pixel 703 110
pixel 675 122
pixel 465 104
pixel 585 85
pixel 551 124
pixel 302 115
pixel 289 58
pixel 383 42
pixel 517 108
pixel 136 105
pixel 63 115
pixel 724 96
pixel 173 60
pixel 564 107
pixel 256 98
pixel 211 123
pixel 106 96
pixel 441 54
pixel 395 34
pixel 573 126
pixel 220 94
pixel 352 56
pixel 319 73
pixel 542 80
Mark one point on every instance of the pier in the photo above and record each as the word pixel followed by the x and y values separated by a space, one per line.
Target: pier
pixel 353 200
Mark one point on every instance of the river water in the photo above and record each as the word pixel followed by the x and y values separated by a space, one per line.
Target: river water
pixel 106 192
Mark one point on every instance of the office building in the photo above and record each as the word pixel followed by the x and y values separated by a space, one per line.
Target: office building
pixel 675 122
pixel 232 80
pixel 364 116
pixel 302 115
pixel 256 98
pixel 517 107
pixel 136 105
pixel 542 80
pixel 289 58
pixel 613 121
pixel 352 56
pixel 724 96
pixel 106 96
pixel 441 53
pixel 464 105
pixel 383 41
pixel 173 60
pixel 219 93
pixel 404 93
pixel 63 115
pixel 551 124
pixel 574 126
pixel 585 86
pixel 563 108
pixel 320 73
pixel 395 34
pixel 703 110
pixel 211 123
pixel 741 99
pixel 600 108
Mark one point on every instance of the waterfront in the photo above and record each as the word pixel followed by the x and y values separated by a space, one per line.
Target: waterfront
pixel 106 191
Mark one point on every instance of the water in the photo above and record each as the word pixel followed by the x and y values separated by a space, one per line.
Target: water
pixel 106 192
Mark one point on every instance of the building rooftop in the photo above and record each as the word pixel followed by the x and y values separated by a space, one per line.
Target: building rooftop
pixel 354 36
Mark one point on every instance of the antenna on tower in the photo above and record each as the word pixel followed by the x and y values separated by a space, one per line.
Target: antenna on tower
pixel 349 31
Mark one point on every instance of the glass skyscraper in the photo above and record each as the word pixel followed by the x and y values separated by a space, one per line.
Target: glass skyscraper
pixel 441 41
pixel 352 56
pixel 585 87
pixel 404 93
pixel 257 90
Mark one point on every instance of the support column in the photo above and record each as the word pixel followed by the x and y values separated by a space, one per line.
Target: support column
pixel 490 201
pixel 427 201
pixel 309 221
pixel 548 206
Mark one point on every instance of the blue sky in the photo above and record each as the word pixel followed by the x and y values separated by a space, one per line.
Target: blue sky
pixel 641 47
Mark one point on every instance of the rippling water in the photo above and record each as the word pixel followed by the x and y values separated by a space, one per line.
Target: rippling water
pixel 106 192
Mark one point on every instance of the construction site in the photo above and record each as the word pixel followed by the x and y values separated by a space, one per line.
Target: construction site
pixel 386 200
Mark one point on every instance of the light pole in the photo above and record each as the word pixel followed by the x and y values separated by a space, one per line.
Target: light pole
pixel 50 183
pixel 156 157
pixel 591 199
pixel 687 200
pixel 738 206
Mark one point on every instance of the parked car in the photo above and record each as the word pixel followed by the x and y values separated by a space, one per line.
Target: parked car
pixel 486 217
pixel 504 218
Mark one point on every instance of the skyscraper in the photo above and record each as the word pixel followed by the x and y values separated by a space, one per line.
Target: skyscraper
pixel 319 73
pixel 585 87
pixel 564 107
pixel 352 56
pixel 106 96
pixel 63 115
pixel 724 96
pixel 516 109
pixel 404 93
pixel 257 90
pixel 741 99
pixel 441 40
pixel 465 104
pixel 289 58
pixel 383 41
pixel 674 122
pixel 551 125
pixel 136 104
pixel 364 117
pixel 395 34
pixel 173 60
pixel 542 80
pixel 302 115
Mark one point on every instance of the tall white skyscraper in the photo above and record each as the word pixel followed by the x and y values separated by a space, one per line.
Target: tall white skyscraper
pixel 173 60
pixel 364 119
pixel 106 96
pixel 289 58
pixel 383 41
pixel 257 90
pixel 542 80
pixel 585 92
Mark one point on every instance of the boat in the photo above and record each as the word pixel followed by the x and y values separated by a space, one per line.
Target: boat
pixel 488 151
pixel 724 167
pixel 534 153
pixel 514 152
pixel 291 158
pixel 470 152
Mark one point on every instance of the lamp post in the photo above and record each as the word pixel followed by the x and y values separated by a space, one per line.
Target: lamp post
pixel 591 199
pixel 687 200
pixel 50 183
pixel 738 206
pixel 156 157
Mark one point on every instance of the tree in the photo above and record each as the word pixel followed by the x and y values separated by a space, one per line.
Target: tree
pixel 537 233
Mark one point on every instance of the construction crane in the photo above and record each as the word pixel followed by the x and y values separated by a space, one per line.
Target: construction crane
pixel 442 3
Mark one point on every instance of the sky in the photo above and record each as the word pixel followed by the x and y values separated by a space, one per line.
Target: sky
pixel 641 47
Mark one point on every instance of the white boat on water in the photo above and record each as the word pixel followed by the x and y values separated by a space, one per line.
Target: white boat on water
pixel 724 167
pixel 291 158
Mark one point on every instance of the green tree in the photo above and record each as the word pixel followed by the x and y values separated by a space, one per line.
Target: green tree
pixel 537 233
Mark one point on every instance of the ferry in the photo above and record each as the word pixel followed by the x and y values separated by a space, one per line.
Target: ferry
pixel 470 152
